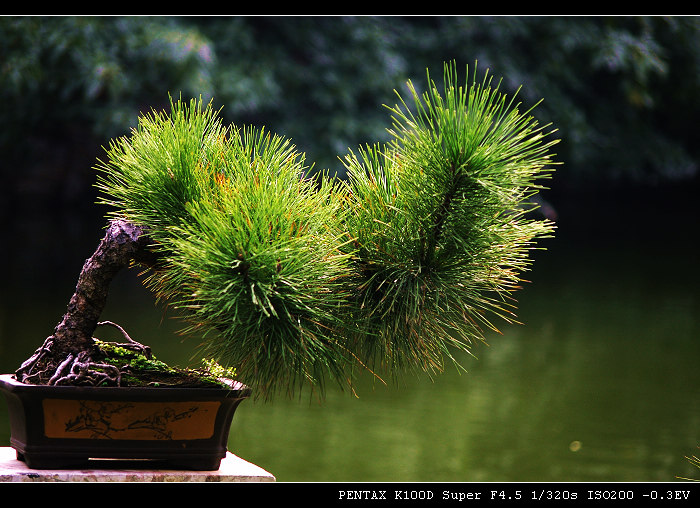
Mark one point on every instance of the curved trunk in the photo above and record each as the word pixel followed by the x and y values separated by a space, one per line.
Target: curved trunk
pixel 122 244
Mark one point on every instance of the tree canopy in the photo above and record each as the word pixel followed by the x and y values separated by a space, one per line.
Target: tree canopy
pixel 290 276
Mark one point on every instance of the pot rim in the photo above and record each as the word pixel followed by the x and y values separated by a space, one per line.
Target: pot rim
pixel 235 389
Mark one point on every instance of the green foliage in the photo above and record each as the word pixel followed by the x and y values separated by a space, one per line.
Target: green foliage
pixel 251 247
pixel 217 370
pixel 439 220
pixel 293 279
pixel 151 177
pixel 695 461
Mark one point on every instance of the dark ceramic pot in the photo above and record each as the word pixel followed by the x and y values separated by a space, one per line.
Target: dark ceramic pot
pixel 63 427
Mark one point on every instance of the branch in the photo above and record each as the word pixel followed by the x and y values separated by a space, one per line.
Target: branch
pixel 441 215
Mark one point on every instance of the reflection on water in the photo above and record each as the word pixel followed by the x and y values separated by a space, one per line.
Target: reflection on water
pixel 554 401
pixel 600 384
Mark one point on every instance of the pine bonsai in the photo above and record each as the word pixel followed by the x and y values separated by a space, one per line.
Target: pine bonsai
pixel 293 278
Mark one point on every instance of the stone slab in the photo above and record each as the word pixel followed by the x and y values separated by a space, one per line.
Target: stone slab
pixel 233 469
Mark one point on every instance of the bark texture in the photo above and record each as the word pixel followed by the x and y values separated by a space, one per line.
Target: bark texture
pixel 68 351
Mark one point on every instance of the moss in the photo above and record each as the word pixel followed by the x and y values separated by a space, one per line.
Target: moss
pixel 138 370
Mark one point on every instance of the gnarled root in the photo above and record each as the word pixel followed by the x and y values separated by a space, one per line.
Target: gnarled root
pixel 83 368
pixel 35 368
pixel 131 344
pixel 87 367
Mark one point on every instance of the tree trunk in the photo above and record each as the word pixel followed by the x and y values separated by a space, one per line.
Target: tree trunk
pixel 122 244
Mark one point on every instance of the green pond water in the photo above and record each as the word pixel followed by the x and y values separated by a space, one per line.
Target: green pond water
pixel 601 383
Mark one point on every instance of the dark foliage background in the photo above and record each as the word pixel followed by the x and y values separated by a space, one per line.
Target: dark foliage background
pixel 623 92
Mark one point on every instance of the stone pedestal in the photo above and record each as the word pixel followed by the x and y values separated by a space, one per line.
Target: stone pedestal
pixel 233 469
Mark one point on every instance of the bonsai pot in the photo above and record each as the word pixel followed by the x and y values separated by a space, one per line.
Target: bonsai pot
pixel 63 427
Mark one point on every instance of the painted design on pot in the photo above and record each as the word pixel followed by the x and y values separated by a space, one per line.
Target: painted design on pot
pixel 92 419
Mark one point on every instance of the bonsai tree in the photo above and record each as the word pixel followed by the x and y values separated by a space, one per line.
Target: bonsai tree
pixel 293 278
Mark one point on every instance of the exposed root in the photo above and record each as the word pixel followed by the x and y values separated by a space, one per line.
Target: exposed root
pixel 131 344
pixel 84 368
pixel 81 370
pixel 107 364
pixel 26 372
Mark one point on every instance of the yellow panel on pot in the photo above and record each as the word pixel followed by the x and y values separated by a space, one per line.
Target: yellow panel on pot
pixel 94 419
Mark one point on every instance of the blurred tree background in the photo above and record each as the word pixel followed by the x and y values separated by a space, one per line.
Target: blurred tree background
pixel 622 91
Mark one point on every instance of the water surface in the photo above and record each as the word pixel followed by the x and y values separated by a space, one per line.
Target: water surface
pixel 601 382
